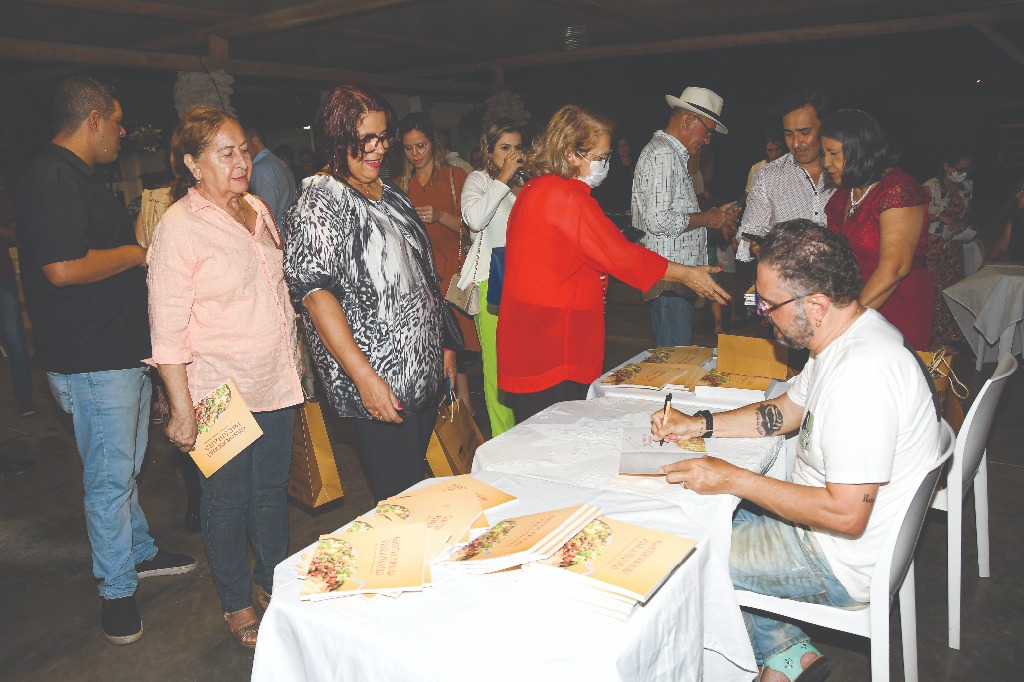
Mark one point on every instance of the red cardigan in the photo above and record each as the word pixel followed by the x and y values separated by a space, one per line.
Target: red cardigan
pixel 551 322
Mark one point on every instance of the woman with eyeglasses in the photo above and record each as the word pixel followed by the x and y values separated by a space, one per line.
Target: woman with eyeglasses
pixel 435 189
pixel 949 214
pixel 560 249
pixel 1011 239
pixel 487 199
pixel 881 210
pixel 360 267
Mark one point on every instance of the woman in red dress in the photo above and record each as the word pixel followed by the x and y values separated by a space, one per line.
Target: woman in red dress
pixel 882 211
pixel 560 247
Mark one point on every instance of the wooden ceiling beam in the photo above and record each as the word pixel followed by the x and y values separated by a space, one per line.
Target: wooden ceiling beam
pixel 1007 12
pixel 613 12
pixel 999 40
pixel 38 50
pixel 281 20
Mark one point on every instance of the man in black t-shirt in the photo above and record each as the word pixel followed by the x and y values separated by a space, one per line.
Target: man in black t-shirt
pixel 85 290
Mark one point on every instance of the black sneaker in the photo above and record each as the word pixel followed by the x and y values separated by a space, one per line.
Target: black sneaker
pixel 121 621
pixel 165 563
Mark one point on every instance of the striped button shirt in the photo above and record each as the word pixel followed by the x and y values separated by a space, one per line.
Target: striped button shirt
pixel 782 190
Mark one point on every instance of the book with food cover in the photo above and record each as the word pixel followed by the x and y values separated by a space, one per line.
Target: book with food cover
pixel 679 355
pixel 647 375
pixel 226 427
pixel 643 455
pixel 614 556
pixel 517 540
pixel 490 497
pixel 452 514
pixel 686 380
pixel 718 379
pixel 389 559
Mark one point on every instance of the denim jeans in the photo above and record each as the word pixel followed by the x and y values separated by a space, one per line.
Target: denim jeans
pixel 247 498
pixel 12 335
pixel 777 558
pixel 110 411
pixel 394 455
pixel 672 320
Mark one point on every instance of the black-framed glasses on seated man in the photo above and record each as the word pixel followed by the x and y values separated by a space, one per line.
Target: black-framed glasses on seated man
pixel 371 141
pixel 766 308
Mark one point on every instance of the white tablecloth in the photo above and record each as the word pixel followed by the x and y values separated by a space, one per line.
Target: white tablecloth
pixel 989 308
pixel 974 254
pixel 491 628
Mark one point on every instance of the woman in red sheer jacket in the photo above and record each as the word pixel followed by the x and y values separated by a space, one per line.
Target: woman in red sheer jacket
pixel 883 213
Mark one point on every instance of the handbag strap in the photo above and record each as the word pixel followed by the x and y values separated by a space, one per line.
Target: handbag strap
pixel 476 262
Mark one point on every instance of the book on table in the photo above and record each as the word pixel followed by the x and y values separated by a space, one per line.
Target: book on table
pixel 653 375
pixel 642 454
pixel 452 514
pixel 611 565
pixel 225 428
pixel 379 560
pixel 514 541
pixel 678 355
pixel 491 498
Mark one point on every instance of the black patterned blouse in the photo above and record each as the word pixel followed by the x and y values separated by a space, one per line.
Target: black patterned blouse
pixel 374 256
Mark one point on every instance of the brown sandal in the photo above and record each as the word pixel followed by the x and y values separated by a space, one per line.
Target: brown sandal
pixel 241 632
pixel 262 596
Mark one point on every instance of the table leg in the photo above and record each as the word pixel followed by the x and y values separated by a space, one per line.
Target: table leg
pixel 980 352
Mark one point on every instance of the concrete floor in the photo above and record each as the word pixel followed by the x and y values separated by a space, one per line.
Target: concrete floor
pixel 50 626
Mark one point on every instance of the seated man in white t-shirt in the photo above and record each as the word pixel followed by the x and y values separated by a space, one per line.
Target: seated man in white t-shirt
pixel 867 424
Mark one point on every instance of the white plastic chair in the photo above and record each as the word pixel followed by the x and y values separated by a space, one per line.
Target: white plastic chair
pixel 894 571
pixel 969 466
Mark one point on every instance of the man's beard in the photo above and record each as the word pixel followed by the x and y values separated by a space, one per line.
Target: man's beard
pixel 801 333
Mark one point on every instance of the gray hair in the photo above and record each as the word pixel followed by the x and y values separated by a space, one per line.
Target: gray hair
pixel 810 258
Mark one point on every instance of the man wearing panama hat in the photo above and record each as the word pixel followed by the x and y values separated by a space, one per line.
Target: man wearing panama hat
pixel 665 206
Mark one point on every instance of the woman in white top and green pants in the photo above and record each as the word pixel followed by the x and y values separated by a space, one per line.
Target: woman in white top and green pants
pixel 487 199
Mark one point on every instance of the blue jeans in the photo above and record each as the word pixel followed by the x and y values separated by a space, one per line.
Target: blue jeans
pixel 110 411
pixel 12 335
pixel 247 498
pixel 777 558
pixel 672 319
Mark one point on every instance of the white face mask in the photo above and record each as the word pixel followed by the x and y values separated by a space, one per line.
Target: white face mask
pixel 958 176
pixel 598 172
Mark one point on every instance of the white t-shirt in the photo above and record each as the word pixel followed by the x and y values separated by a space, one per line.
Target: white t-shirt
pixel 868 418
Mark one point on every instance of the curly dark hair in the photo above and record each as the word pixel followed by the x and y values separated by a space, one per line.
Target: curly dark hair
pixel 336 126
pixel 867 150
pixel 810 258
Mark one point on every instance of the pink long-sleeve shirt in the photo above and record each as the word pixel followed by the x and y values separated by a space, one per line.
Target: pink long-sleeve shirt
pixel 218 303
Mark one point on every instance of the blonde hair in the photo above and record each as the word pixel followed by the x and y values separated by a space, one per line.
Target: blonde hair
pixel 572 129
pixel 489 138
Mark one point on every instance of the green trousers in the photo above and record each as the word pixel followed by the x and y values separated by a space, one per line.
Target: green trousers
pixel 499 408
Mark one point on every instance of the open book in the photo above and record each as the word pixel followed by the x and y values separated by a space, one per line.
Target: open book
pixel 643 455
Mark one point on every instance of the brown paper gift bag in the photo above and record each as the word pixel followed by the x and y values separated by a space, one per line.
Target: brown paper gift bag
pixel 454 441
pixel 313 479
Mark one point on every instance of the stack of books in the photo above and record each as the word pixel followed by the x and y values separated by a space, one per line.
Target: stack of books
pixel 610 566
pixel 519 540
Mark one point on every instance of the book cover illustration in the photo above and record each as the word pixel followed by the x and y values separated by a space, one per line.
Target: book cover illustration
pixel 643 455
pixel 679 355
pixel 719 379
pixel 650 375
pixel 225 426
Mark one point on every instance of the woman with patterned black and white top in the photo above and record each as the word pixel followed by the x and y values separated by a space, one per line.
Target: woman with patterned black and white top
pixel 359 262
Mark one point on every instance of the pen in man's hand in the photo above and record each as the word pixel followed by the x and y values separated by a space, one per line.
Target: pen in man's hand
pixel 664 414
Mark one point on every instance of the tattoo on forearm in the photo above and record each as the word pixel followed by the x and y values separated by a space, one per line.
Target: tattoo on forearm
pixel 769 419
pixel 868 499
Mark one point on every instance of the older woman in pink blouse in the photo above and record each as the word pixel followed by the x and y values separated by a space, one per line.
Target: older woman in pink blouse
pixel 219 309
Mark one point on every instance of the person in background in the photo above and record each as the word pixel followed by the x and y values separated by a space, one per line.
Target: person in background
pixel 616 192
pixel 664 206
pixel 12 328
pixel 949 214
pixel 360 266
pixel 476 159
pixel 451 157
pixel 487 199
pixel 219 310
pixel 882 212
pixel 1011 238
pixel 272 178
pixel 307 164
pixel 774 147
pixel 287 154
pixel 794 185
pixel 85 290
pixel 435 189
pixel 867 428
pixel 560 250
